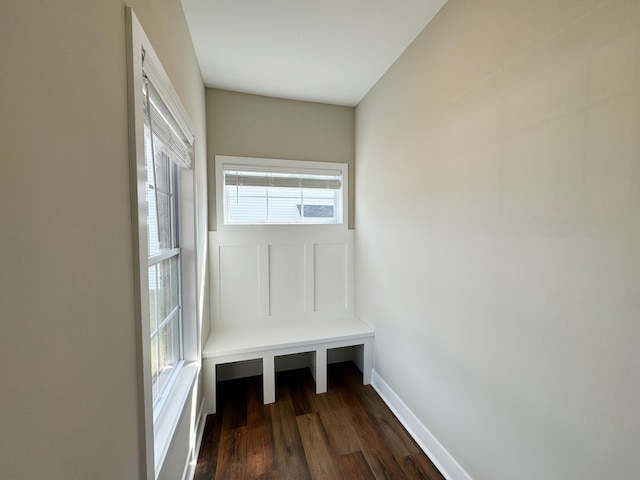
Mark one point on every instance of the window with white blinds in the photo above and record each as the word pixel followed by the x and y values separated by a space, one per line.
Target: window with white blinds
pixel 167 151
pixel 280 192
pixel 165 254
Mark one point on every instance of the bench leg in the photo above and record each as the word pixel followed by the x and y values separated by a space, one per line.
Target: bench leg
pixel 210 387
pixel 268 379
pixel 367 361
pixel 320 369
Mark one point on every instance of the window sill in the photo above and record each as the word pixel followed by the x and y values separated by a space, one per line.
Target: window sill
pixel 167 422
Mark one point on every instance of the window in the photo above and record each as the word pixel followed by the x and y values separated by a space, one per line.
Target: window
pixel 163 260
pixel 256 191
pixel 165 251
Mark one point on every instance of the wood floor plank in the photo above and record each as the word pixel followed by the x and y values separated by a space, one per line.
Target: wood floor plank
pixel 321 458
pixel 234 404
pixel 289 455
pixel 208 457
pixel 418 466
pixel 232 454
pixel 340 430
pixel 255 404
pixel 374 448
pixel 273 475
pixel 382 463
pixel 390 428
pixel 302 389
pixel 259 432
pixel 330 400
pixel 353 466
pixel 259 449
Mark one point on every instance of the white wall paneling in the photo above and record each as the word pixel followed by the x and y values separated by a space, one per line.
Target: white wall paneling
pixel 287 280
pixel 240 291
pixel 281 273
pixel 330 276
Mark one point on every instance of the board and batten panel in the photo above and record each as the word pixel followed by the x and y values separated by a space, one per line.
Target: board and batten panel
pixel 330 277
pixel 239 284
pixel 287 280
pixel 280 274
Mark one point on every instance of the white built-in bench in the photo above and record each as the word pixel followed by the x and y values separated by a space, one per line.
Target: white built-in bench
pixel 284 338
pixel 281 291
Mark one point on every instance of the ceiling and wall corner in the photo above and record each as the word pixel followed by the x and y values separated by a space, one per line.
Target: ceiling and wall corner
pixel 329 51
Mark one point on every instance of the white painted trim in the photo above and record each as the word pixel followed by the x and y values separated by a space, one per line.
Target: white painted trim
pixel 136 39
pixel 172 412
pixel 192 459
pixel 440 457
pixel 202 420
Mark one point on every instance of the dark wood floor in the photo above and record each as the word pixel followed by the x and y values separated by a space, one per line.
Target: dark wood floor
pixel 345 433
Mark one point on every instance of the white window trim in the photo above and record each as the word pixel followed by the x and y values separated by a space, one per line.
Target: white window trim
pixel 221 160
pixel 156 435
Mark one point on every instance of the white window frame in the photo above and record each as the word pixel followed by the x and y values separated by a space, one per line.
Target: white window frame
pixel 158 426
pixel 274 164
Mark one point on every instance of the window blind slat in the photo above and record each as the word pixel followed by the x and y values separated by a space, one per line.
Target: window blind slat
pixel 172 142
pixel 322 172
pixel 237 179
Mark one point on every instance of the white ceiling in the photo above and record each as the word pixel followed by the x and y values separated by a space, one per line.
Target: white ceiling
pixel 328 51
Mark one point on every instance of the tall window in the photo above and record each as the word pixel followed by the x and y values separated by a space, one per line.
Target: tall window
pixel 165 151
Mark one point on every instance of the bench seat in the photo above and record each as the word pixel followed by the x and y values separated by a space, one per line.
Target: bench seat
pixel 268 341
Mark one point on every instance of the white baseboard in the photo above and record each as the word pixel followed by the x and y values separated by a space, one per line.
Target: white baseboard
pixel 440 457
pixel 190 467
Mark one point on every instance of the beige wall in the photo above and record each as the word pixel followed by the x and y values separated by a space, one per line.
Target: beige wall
pixel 68 403
pixel 254 126
pixel 498 235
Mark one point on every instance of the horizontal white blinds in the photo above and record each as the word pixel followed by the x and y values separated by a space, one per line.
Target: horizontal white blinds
pixel 328 179
pixel 172 141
